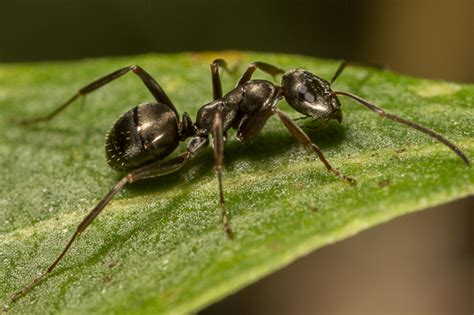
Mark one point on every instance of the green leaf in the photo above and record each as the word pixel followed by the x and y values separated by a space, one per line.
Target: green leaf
pixel 160 247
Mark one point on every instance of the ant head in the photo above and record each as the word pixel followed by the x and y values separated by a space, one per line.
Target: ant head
pixel 310 95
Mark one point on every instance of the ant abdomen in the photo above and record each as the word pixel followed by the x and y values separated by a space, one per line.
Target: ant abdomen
pixel 146 133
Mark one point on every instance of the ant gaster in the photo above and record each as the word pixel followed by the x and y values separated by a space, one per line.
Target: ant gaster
pixel 146 134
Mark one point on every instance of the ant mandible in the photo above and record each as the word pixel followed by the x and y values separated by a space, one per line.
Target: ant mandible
pixel 151 131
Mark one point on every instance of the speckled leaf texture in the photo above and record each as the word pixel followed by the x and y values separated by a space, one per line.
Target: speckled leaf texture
pixel 160 247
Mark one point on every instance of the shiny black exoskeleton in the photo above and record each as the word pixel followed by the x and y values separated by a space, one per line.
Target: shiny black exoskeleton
pixel 151 131
pixel 310 95
pixel 146 134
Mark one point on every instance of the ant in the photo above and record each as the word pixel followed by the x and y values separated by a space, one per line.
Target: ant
pixel 149 132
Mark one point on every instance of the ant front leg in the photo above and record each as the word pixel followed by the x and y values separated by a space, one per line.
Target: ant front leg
pixel 303 138
pixel 265 67
pixel 251 125
pixel 152 170
pixel 155 89
pixel 218 137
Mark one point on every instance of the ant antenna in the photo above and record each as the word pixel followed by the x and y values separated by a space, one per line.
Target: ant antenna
pixel 409 123
pixel 338 71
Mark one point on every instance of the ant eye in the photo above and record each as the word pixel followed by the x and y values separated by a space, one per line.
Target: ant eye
pixel 305 94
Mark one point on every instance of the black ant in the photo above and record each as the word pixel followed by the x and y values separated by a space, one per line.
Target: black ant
pixel 149 132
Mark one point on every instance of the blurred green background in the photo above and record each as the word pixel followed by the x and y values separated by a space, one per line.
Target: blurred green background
pixel 421 263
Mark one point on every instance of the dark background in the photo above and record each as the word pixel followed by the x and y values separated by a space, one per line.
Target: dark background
pixel 429 38
pixel 421 263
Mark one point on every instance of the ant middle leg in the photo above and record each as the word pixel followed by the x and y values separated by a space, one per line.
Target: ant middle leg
pixel 155 89
pixel 218 137
pixel 304 139
pixel 216 80
pixel 265 67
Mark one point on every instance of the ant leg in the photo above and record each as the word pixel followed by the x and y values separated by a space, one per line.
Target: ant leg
pixel 152 170
pixel 218 137
pixel 303 138
pixel 216 80
pixel 153 86
pixel 265 67
pixel 408 123
pixel 251 126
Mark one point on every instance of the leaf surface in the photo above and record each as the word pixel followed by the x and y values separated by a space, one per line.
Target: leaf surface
pixel 160 247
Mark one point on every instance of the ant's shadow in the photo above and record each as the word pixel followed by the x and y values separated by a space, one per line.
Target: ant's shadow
pixel 267 145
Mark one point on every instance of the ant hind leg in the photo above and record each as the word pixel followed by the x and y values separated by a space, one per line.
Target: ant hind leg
pixel 153 86
pixel 152 170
